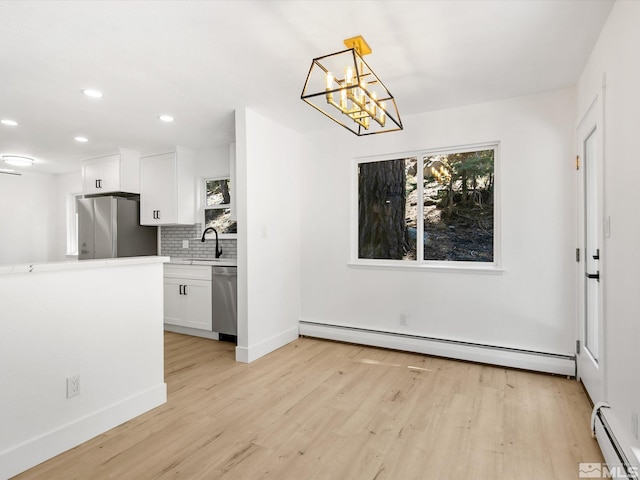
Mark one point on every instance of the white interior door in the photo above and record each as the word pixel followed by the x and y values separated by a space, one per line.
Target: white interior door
pixel 591 355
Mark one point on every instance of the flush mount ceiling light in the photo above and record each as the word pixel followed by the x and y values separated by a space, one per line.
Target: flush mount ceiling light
pixel 166 118
pixel 81 139
pixel 17 160
pixel 343 87
pixel 90 92
pixel 8 122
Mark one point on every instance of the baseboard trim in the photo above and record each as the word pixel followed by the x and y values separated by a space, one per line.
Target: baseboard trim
pixel 494 355
pixel 249 354
pixel 194 332
pixel 619 465
pixel 39 449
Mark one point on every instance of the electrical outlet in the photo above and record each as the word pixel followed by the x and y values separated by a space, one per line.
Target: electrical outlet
pixel 403 318
pixel 73 386
pixel 185 243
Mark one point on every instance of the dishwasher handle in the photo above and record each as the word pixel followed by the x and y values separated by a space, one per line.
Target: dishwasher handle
pixel 224 271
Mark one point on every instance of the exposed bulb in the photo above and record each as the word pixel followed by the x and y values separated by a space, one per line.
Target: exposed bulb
pixel 329 79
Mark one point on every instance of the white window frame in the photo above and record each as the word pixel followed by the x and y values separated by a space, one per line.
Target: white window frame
pixel 224 206
pixel 442 265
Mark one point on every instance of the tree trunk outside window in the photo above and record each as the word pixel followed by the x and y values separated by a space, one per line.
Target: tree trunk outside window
pixel 381 210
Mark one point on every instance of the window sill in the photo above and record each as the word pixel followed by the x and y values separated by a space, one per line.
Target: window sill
pixel 459 267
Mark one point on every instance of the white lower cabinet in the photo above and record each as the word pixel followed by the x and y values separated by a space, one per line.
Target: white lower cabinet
pixel 187 296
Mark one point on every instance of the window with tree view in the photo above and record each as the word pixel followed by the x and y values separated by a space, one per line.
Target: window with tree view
pixel 446 199
pixel 217 206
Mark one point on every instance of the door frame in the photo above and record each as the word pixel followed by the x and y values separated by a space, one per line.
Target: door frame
pixel 589 371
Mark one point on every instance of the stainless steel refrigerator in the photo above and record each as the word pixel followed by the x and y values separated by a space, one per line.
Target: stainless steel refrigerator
pixel 109 227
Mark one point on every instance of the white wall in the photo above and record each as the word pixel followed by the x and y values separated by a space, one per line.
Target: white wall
pixel 57 324
pixel 529 306
pixel 28 218
pixel 268 203
pixel 616 55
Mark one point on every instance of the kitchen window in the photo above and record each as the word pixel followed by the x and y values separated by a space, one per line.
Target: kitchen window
pixel 432 208
pixel 218 206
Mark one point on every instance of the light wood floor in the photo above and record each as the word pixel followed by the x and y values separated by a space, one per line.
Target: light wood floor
pixel 324 410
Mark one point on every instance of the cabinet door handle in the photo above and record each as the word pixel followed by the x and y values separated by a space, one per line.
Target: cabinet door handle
pixel 185 290
pixel 180 289
pixel 595 276
pixel 158 214
pixel 97 184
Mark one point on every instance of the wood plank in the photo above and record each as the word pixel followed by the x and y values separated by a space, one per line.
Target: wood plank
pixel 318 409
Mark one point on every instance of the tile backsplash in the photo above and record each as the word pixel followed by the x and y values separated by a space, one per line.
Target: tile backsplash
pixel 171 238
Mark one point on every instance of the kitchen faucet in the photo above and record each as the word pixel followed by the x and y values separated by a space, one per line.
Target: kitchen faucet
pixel 211 229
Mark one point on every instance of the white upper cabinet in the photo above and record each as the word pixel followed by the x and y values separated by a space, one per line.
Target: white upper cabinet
pixel 167 188
pixel 119 172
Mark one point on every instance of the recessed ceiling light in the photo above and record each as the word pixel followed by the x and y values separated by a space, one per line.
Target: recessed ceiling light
pixel 166 118
pixel 11 123
pixel 89 92
pixel 18 160
pixel 81 139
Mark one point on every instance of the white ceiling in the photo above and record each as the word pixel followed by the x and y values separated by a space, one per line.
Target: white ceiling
pixel 200 60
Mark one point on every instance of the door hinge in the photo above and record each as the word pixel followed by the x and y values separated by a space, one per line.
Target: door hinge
pixel 578 347
pixel 577 162
pixel 577 254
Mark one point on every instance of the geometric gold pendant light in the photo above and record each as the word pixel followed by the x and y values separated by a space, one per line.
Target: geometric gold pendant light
pixel 343 87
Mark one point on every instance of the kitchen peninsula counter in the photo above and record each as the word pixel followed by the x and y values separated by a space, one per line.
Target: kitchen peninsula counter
pixel 79 264
pixel 97 321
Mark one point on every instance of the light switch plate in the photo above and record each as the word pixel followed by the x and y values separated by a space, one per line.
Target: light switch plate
pixel 185 243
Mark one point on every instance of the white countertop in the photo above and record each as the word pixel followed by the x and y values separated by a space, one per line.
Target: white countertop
pixel 222 262
pixel 78 264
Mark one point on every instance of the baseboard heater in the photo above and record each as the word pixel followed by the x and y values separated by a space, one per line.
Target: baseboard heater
pixel 617 465
pixel 491 354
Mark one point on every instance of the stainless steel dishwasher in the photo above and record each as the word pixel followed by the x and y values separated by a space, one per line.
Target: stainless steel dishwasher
pixel 224 296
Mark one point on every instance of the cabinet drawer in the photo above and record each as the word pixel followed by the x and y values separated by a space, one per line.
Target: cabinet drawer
pixel 191 272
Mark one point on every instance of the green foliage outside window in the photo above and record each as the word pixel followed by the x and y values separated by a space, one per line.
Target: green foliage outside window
pixel 457 205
